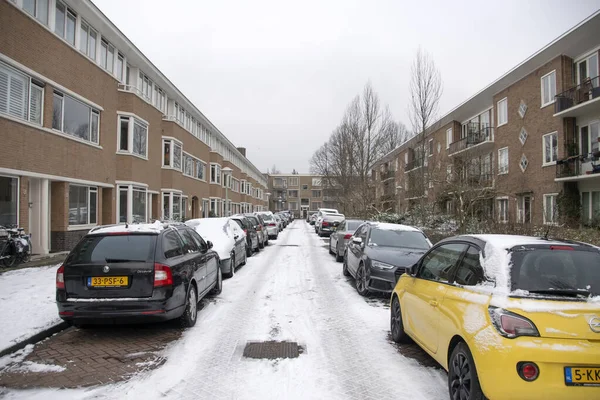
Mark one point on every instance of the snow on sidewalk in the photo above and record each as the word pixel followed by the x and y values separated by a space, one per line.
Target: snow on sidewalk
pixel 28 303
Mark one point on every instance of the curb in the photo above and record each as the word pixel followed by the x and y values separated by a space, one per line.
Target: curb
pixel 61 326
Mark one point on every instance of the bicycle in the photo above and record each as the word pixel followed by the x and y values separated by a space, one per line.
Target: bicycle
pixel 15 246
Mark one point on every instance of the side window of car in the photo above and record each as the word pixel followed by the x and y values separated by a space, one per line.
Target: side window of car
pixel 342 226
pixel 438 263
pixel 469 271
pixel 189 245
pixel 358 231
pixel 198 240
pixel 363 233
pixel 172 245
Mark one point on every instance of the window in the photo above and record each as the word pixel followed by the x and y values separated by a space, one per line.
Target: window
pixel 65 22
pixel 131 205
pixel 430 148
pixel 120 64
pixel 172 206
pixel 87 40
pixel 316 193
pixel 304 187
pixel 439 262
pixel 590 202
pixel 588 69
pixel 9 207
pixel 38 9
pixel 548 83
pixel 160 99
pixel 469 271
pixel 75 118
pixel 589 138
pixel 316 205
pixel 523 163
pixel 293 205
pixel 20 96
pixel 316 181
pixel 172 154
pixel 188 165
pixel 200 170
pixel 523 136
pixel 448 138
pixel 550 142
pixel 82 205
pixel 133 136
pixel 293 181
pixel 524 209
pixel 215 174
pixel 190 244
pixel 522 109
pixel 502 210
pixel 145 86
pixel 172 245
pixel 550 209
pixel 502 112
pixel 292 193
pixel 503 161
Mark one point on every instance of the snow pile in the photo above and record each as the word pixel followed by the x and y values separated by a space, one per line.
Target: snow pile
pixel 28 303
pixel 496 267
pixel 15 357
pixel 154 227
pixel 394 227
pixel 30 366
pixel 220 231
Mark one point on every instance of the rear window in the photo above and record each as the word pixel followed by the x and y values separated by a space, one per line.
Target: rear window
pixel 253 220
pixel 240 223
pixel 267 217
pixel 391 238
pixel 545 269
pixel 113 248
pixel 353 225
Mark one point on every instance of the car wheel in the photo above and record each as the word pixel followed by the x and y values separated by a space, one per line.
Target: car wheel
pixel 219 286
pixel 330 251
pixel 188 318
pixel 267 242
pixel 245 258
pixel 463 382
pixel 232 268
pixel 345 271
pixel 361 281
pixel 396 325
pixel 261 245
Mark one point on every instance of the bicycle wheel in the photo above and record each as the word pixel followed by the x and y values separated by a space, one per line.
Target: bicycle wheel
pixel 10 261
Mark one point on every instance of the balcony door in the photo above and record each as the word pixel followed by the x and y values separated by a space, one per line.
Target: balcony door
pixel 588 68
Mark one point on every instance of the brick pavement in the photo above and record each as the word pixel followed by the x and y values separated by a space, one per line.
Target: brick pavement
pixel 93 356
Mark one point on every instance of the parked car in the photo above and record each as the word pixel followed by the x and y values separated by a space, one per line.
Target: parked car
pixel 271 224
pixel 320 215
pixel 329 224
pixel 252 242
pixel 228 239
pixel 137 273
pixel 280 223
pixel 261 228
pixel 340 238
pixel 377 250
pixel 506 315
pixel 311 218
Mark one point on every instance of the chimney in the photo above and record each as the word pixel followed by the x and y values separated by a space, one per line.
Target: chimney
pixel 242 150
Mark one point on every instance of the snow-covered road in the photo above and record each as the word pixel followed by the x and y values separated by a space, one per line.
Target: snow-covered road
pixel 294 290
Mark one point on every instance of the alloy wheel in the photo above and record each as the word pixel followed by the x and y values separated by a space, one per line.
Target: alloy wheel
pixel 396 318
pixel 460 378
pixel 193 304
pixel 360 279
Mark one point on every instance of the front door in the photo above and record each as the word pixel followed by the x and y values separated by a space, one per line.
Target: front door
pixel 425 293
pixel 38 215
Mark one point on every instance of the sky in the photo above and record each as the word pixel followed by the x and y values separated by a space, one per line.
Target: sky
pixel 275 76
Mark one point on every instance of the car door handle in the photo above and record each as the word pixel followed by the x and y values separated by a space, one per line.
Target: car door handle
pixel 433 303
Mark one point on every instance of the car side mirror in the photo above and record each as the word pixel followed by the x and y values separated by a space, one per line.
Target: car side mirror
pixel 413 269
pixel 209 244
pixel 357 240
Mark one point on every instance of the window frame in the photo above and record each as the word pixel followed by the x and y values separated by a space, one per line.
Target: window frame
pixel 89 191
pixel 93 111
pixel 501 171
pixel 523 135
pixel 552 153
pixel 506 209
pixel 172 145
pixel 89 52
pixel 543 89
pixel 430 148
pixel 523 160
pixel 451 271
pixel 500 102
pixel 218 173
pixel 172 194
pixel 131 121
pixel 29 83
pixel 449 137
pixel 554 197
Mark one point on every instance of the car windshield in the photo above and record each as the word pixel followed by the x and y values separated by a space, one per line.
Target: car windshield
pixel 113 248
pixel 267 217
pixel 547 270
pixel 398 238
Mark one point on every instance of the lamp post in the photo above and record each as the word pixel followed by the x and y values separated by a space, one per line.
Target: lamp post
pixel 227 174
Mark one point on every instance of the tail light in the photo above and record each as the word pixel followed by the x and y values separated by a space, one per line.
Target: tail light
pixel 324 223
pixel 162 275
pixel 258 228
pixel 559 247
pixel 528 371
pixel 272 224
pixel 60 277
pixel 347 236
pixel 246 231
pixel 511 325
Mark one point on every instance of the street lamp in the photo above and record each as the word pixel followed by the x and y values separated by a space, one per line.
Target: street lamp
pixel 226 174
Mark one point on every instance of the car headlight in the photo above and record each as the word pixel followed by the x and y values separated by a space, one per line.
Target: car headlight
pixel 381 265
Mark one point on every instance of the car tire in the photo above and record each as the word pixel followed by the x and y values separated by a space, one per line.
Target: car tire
pixel 396 324
pixel 338 258
pixel 190 314
pixel 361 281
pixel 261 245
pixel 330 251
pixel 245 258
pixel 232 268
pixel 267 242
pixel 345 271
pixel 219 286
pixel 461 369
pixel 248 251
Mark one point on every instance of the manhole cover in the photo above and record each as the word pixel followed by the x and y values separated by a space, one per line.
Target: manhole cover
pixel 272 350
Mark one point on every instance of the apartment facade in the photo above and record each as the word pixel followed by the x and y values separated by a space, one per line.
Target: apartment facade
pixel 519 147
pixel 300 193
pixel 93 133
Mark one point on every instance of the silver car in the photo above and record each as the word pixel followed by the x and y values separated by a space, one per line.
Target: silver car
pixel 340 238
pixel 271 224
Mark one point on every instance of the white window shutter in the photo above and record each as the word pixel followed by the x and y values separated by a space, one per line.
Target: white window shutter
pixel 3 91
pixel 17 96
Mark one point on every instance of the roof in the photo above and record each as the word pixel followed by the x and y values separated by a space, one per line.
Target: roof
pixel 510 241
pixel 393 227
pixel 155 227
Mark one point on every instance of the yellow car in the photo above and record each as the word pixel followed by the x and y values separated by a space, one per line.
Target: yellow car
pixel 509 317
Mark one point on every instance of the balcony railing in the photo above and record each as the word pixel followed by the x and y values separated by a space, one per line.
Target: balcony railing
pixel 586 91
pixel 414 164
pixel 481 180
pixel 388 175
pixel 472 139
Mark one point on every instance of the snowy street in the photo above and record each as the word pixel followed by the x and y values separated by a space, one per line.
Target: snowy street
pixel 291 291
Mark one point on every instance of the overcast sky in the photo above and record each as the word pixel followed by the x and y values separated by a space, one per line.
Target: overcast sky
pixel 275 76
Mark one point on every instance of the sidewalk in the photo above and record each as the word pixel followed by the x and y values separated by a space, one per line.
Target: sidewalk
pixel 38 260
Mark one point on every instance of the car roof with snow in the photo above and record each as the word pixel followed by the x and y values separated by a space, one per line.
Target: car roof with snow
pixel 507 242
pixel 153 228
pixel 393 227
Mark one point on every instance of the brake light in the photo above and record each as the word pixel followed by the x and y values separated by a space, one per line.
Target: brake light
pixel 324 223
pixel 162 275
pixel 347 236
pixel 511 325
pixel 60 277
pixel 272 224
pixel 246 231
pixel 561 248
pixel 528 371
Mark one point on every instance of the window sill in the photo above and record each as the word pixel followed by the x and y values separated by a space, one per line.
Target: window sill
pixel 126 153
pixel 171 168
pixel 547 104
pixel 74 138
pixel 71 228
pixel 216 183
pixel 503 173
pixel 194 178
pixel 499 125
pixel 551 164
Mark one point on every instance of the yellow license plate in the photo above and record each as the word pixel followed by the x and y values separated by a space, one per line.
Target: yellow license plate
pixel 582 376
pixel 108 281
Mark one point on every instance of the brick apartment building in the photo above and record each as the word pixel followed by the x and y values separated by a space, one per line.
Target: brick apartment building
pixel 526 140
pixel 93 133
pixel 300 193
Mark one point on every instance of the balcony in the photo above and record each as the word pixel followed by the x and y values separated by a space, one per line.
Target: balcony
pixel 476 141
pixel 414 164
pixel 483 180
pixel 578 168
pixel 388 175
pixel 579 100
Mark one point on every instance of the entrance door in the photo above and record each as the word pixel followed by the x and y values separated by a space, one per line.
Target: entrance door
pixel 195 208
pixel 39 211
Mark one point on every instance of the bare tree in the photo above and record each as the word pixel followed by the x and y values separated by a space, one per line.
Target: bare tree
pixel 425 93
pixel 275 170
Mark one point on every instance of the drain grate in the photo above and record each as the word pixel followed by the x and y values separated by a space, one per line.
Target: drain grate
pixel 288 245
pixel 272 350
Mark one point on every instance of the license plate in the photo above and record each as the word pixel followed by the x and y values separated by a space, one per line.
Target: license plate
pixel 582 376
pixel 108 281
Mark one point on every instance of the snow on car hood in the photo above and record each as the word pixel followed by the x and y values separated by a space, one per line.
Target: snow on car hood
pixel 399 257
pixel 218 231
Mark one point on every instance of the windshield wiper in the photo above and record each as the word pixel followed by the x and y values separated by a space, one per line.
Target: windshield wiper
pixel 563 292
pixel 119 260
